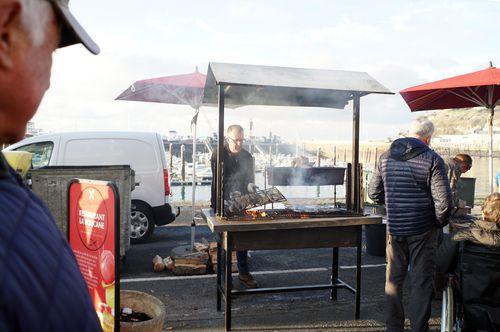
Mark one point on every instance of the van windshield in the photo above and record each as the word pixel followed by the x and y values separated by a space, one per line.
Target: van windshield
pixel 41 153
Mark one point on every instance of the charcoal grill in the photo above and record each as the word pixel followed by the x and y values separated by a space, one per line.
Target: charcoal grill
pixel 291 213
pixel 241 85
pixel 237 206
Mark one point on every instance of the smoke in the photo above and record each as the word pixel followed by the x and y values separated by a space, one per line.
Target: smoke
pixel 158 92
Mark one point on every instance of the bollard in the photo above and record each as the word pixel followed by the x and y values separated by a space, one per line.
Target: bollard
pixel 171 157
pixel 270 156
pixel 318 164
pixel 183 164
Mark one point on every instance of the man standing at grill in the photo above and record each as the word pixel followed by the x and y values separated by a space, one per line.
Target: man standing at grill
pixel 411 181
pixel 238 173
pixel 41 287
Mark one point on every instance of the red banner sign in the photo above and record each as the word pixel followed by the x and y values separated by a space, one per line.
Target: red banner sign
pixel 93 234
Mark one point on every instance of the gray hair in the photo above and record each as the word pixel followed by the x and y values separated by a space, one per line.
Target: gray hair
pixel 34 19
pixel 421 128
pixel 236 127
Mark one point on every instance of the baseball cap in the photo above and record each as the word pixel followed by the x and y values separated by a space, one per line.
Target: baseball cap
pixel 72 32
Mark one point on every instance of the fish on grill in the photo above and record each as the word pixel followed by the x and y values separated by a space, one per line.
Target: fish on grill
pixel 238 203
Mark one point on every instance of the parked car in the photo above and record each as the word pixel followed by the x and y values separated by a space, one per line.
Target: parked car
pixel 143 151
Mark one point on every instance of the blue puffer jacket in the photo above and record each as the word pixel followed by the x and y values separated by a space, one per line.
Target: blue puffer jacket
pixel 411 181
pixel 41 288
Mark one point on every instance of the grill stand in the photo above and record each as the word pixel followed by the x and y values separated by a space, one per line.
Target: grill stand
pixel 220 79
pixel 311 234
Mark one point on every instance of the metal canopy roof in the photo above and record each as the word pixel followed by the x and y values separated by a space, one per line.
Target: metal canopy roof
pixel 285 86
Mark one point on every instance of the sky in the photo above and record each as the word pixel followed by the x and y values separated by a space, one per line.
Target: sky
pixel 399 43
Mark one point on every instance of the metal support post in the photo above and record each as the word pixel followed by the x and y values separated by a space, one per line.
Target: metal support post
pixel 358 273
pixel 220 153
pixel 335 273
pixel 228 281
pixel 355 152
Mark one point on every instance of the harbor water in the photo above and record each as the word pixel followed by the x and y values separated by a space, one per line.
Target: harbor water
pixel 183 193
pixel 479 171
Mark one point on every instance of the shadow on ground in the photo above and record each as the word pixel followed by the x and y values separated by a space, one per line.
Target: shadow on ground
pixel 190 300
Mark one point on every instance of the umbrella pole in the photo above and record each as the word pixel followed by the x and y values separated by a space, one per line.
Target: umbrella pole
pixel 193 197
pixel 490 150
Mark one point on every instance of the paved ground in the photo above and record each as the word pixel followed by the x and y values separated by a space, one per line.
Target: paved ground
pixel 190 300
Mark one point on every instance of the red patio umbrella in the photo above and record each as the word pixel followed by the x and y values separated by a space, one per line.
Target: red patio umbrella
pixel 477 89
pixel 186 89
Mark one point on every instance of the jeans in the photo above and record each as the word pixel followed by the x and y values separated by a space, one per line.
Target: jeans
pixel 242 257
pixel 417 252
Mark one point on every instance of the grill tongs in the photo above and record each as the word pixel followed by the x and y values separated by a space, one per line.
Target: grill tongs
pixel 237 203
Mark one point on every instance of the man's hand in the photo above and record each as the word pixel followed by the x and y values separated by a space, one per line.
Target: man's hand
pixel 461 203
pixel 252 187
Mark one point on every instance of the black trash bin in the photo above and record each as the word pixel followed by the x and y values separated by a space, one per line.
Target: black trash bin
pixel 466 188
pixel 375 239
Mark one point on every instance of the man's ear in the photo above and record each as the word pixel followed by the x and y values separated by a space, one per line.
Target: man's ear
pixel 10 12
pixel 426 140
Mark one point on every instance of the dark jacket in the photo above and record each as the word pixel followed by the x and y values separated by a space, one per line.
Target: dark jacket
pixel 473 254
pixel 454 172
pixel 238 172
pixel 410 179
pixel 41 287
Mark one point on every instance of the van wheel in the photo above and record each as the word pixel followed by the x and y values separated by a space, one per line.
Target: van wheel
pixel 142 223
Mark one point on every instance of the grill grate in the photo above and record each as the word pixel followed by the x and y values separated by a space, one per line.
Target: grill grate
pixel 270 214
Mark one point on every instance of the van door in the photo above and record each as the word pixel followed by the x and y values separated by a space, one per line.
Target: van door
pixel 166 173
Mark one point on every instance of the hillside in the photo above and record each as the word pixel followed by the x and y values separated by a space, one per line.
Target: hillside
pixel 461 121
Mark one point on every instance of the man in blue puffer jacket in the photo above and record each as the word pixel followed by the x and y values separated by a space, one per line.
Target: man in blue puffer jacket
pixel 41 287
pixel 411 181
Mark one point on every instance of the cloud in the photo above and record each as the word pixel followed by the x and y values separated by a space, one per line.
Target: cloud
pixel 398 43
pixel 346 31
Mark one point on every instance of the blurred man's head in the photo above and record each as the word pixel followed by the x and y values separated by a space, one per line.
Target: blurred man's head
pixel 235 138
pixel 30 31
pixel 422 128
pixel 491 208
pixel 464 161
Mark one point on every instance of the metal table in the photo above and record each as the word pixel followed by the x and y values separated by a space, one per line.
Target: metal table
pixel 331 232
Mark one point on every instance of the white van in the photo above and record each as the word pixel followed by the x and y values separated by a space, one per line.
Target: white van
pixel 143 151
